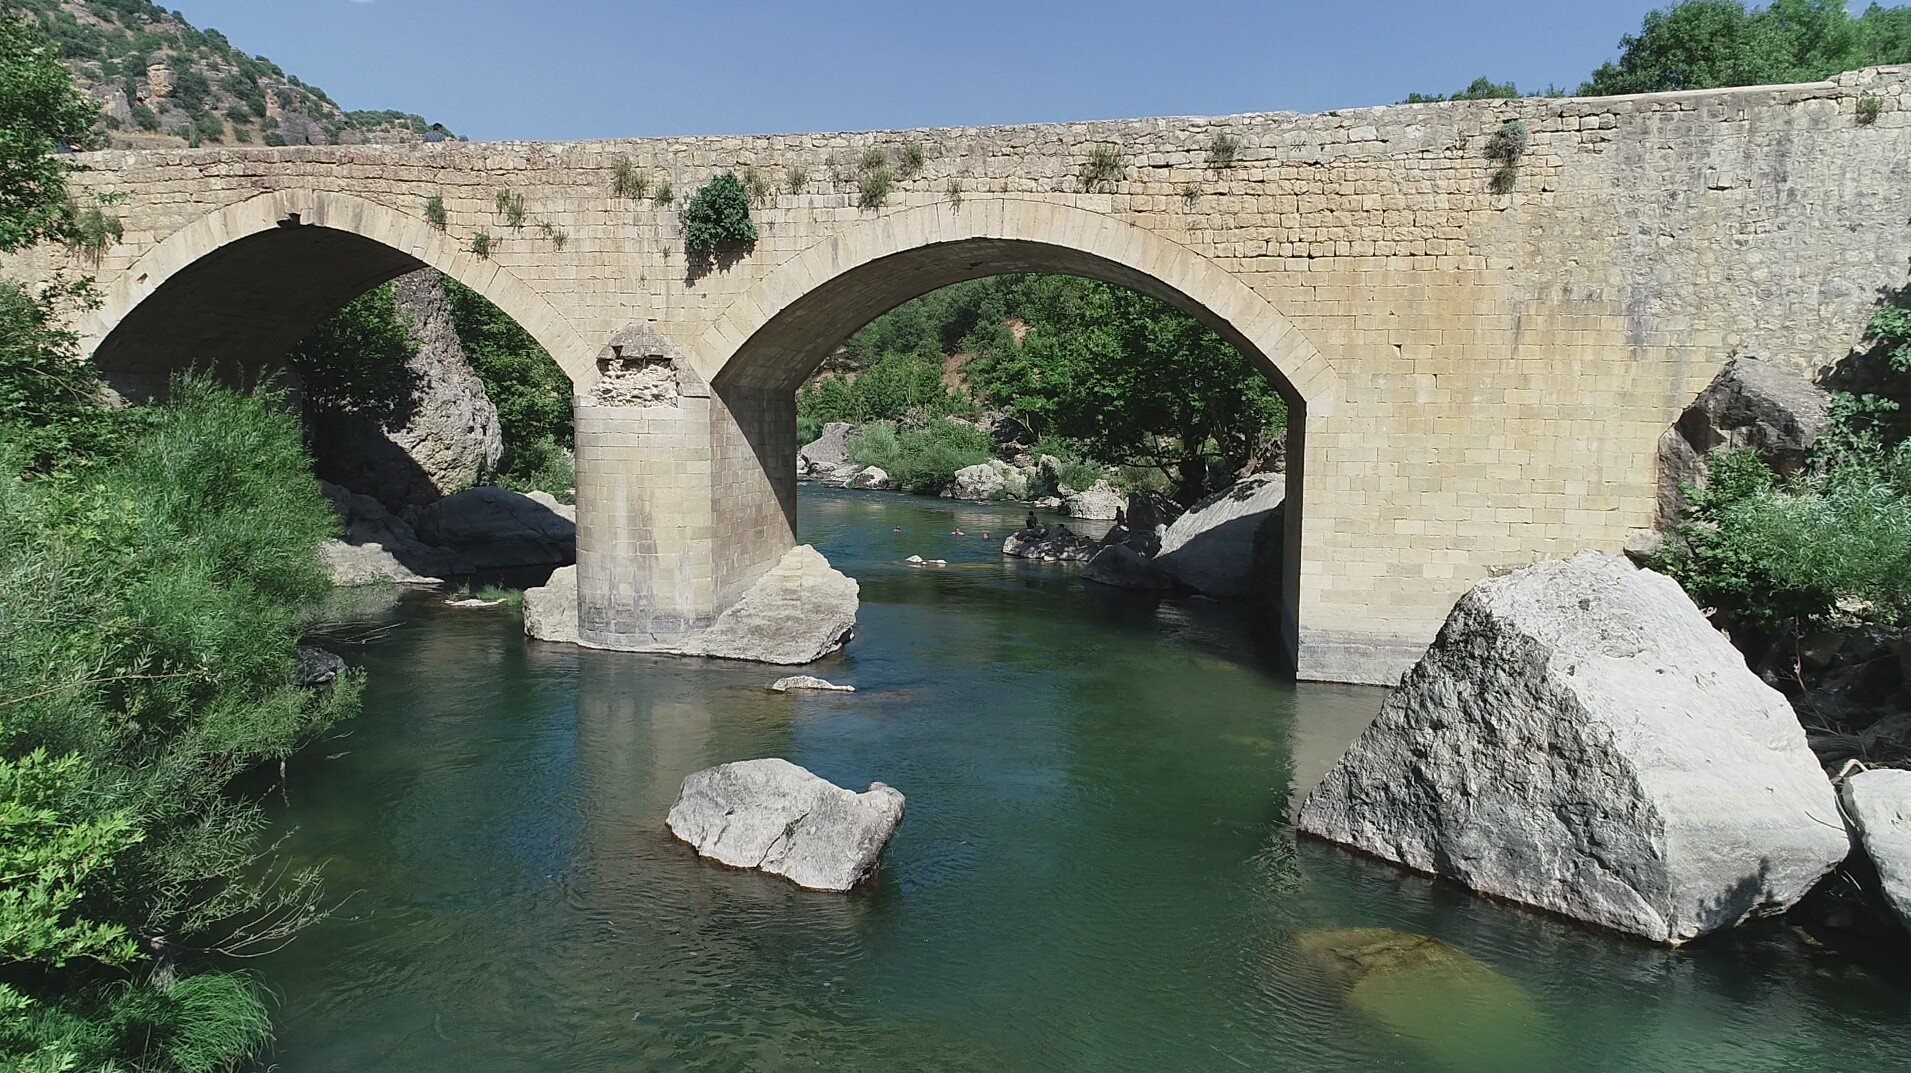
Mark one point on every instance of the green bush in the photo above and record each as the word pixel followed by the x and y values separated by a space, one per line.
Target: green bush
pixel 898 385
pixel 146 664
pixel 1104 165
pixel 921 459
pixel 718 218
pixel 532 394
pixel 435 214
pixel 1829 547
pixel 872 187
pixel 350 361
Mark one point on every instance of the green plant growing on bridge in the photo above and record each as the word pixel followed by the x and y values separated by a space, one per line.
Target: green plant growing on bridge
pixel 481 245
pixel 664 195
pixel 629 183
pixel 717 219
pixel 872 187
pixel 556 234
pixel 94 231
pixel 1507 147
pixel 1869 108
pixel 874 157
pixel 760 189
pixel 910 159
pixel 1190 195
pixel 435 214
pixel 955 192
pixel 796 178
pixel 1223 150
pixel 511 206
pixel 1104 165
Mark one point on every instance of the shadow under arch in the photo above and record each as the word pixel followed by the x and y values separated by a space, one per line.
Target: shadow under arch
pixel 237 288
pixel 779 332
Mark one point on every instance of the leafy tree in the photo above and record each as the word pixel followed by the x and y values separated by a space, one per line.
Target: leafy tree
pixel 532 394
pixel 351 361
pixel 1703 44
pixel 1135 382
pixel 39 110
pixel 1481 89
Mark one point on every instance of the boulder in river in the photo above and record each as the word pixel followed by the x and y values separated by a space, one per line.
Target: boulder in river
pixel 873 479
pixel 994 479
pixel 801 610
pixel 1049 543
pixel 807 682
pixel 1579 738
pixel 1210 549
pixel 378 546
pixel 1099 503
pixel 773 816
pixel 317 668
pixel 1878 803
pixel 550 610
pixel 1121 566
pixel 493 528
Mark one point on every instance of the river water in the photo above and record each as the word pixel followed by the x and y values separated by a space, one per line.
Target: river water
pixel 1094 873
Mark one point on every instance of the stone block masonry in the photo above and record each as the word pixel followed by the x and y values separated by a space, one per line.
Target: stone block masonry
pixel 1482 376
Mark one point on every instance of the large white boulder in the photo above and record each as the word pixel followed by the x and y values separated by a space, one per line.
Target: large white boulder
pixel 1580 739
pixel 775 817
pixel 550 611
pixel 829 450
pixel 1879 805
pixel 1098 503
pixel 873 479
pixel 983 481
pixel 1210 549
pixel 800 611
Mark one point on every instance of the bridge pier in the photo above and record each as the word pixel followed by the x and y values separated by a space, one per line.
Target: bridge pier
pixel 684 495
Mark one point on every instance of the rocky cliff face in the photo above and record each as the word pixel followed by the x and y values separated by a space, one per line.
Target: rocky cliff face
pixel 437 431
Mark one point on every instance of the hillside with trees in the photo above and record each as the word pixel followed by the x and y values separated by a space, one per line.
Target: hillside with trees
pixel 158 81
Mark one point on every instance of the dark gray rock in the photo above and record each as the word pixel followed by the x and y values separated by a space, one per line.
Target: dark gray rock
pixel 1121 566
pixel 493 528
pixel 1210 549
pixel 1049 543
pixel 317 668
pixel 1751 403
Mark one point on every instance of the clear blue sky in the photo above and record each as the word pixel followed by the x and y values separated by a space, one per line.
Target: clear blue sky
pixel 570 69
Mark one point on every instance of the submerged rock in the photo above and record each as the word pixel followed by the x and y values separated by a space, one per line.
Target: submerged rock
pixel 550 611
pixel 1210 549
pixel 775 817
pixel 1878 803
pixel 1579 738
pixel 800 611
pixel 1450 1006
pixel 808 682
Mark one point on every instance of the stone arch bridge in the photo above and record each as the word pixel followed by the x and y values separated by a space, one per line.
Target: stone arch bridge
pixel 1478 369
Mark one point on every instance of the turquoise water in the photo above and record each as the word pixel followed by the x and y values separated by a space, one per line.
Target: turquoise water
pixel 1094 873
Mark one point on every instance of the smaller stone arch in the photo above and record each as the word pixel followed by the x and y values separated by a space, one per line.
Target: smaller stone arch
pixel 260 273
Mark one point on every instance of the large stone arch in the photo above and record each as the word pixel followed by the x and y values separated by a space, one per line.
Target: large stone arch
pixel 774 336
pixel 826 293
pixel 239 286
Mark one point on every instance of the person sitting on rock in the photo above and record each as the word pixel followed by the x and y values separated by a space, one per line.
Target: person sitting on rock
pixel 1033 523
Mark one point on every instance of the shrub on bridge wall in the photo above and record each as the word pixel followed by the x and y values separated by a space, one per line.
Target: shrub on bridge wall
pixel 717 219
pixel 629 183
pixel 872 187
pixel 1104 165
pixel 1507 147
pixel 435 214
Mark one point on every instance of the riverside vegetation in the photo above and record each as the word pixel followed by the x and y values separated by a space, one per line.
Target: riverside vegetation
pixel 161 565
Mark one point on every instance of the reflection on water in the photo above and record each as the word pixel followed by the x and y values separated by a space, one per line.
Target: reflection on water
pixel 1094 874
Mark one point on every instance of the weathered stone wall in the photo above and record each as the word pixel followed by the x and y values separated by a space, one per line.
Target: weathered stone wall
pixel 1484 375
